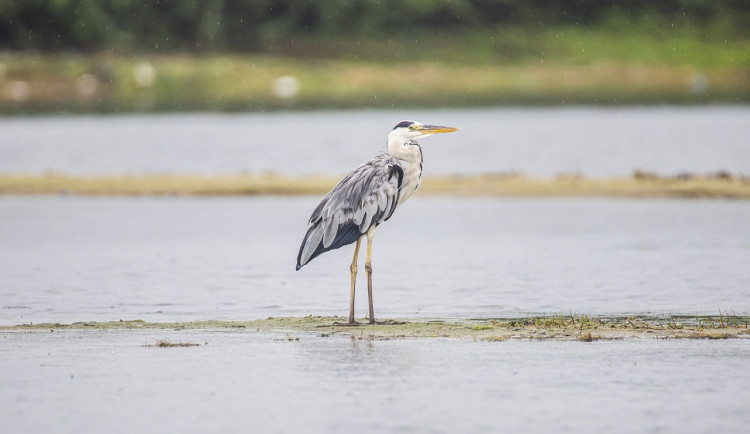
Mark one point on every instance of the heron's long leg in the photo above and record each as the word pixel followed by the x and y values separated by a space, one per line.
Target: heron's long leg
pixel 353 270
pixel 368 269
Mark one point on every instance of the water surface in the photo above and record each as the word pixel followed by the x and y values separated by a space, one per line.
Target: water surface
pixel 542 142
pixel 71 381
pixel 65 259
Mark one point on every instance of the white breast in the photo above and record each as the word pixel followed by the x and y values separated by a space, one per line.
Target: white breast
pixel 411 163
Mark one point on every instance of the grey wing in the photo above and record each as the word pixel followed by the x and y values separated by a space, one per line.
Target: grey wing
pixel 367 196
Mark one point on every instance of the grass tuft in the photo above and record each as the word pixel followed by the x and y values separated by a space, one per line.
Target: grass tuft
pixel 166 343
pixel 588 337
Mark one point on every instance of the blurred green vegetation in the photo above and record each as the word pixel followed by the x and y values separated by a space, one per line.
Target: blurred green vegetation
pixel 114 83
pixel 267 25
pixel 128 55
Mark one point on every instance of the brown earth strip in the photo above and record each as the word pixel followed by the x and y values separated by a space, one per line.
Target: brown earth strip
pixel 721 185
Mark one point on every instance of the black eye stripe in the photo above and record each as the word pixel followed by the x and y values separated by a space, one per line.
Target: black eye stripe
pixel 403 124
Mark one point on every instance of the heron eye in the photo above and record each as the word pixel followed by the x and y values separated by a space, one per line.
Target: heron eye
pixel 412 127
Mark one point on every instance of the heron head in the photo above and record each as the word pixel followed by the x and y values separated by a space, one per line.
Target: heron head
pixel 412 130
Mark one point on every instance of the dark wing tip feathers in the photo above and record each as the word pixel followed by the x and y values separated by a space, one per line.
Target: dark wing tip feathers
pixel 298 267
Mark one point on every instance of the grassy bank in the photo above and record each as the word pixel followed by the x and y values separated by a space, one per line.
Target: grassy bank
pixel 108 84
pixel 640 185
pixel 557 328
pixel 514 65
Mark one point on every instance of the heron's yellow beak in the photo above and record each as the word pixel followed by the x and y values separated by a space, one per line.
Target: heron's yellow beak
pixel 436 129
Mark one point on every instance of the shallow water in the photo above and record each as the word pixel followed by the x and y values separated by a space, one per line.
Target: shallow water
pixel 72 381
pixel 65 259
pixel 543 142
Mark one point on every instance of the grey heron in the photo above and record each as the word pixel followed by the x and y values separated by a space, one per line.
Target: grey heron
pixel 365 198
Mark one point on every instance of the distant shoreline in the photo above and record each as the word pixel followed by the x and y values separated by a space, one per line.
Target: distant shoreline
pixel 720 185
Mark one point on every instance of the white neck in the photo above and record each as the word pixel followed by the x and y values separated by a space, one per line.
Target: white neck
pixel 404 149
pixel 410 155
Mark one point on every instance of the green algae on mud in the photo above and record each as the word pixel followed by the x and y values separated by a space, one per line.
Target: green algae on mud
pixel 556 327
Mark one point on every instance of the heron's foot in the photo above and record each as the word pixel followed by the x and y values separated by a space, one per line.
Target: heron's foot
pixel 347 324
pixel 386 322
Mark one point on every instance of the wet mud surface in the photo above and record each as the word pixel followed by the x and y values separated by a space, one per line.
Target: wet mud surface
pixel 290 375
pixel 553 328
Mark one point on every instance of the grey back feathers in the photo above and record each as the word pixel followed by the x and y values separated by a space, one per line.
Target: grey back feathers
pixel 367 196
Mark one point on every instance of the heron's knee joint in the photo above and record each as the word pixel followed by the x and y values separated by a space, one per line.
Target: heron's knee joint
pixel 353 268
pixel 368 267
